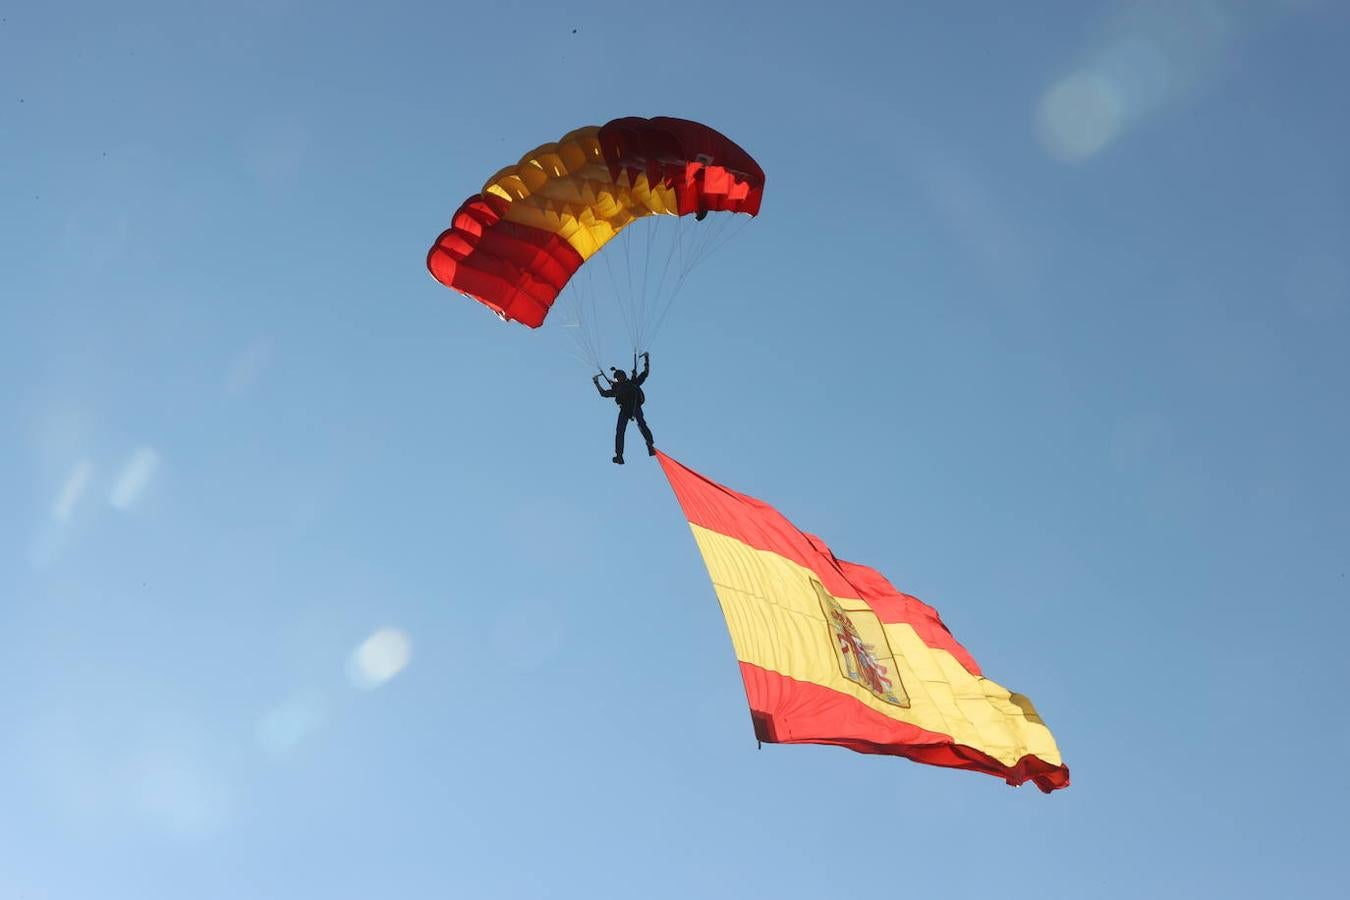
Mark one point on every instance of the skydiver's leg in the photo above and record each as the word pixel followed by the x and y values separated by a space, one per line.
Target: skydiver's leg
pixel 646 432
pixel 619 432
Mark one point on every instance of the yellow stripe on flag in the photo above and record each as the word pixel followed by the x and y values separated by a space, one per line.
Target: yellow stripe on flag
pixel 782 620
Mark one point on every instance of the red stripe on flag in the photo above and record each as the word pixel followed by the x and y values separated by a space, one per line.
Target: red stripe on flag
pixel 757 524
pixel 788 711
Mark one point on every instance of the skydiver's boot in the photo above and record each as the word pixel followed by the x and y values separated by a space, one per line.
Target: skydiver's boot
pixel 618 460
pixel 651 449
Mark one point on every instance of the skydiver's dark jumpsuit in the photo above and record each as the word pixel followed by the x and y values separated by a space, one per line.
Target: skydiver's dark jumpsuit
pixel 628 395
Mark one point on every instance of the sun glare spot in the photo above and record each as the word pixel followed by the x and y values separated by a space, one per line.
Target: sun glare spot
pixel 284 726
pixel 1153 55
pixel 1079 116
pixel 72 490
pixel 134 479
pixel 379 658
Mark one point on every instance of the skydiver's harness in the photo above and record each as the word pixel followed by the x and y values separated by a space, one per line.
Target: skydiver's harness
pixel 638 396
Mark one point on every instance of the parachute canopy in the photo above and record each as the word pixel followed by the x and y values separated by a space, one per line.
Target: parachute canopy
pixel 831 653
pixel 516 244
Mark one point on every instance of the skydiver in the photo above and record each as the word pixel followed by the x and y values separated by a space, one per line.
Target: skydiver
pixel 627 393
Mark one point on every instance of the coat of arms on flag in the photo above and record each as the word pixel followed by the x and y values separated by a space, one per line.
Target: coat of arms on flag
pixel 868 661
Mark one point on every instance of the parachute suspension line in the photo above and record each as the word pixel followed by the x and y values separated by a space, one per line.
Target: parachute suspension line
pixel 624 312
pixel 709 239
pixel 632 299
pixel 594 327
pixel 660 298
pixel 648 296
pixel 718 237
pixel 627 235
pixel 581 332
pixel 583 326
pixel 655 294
pixel 586 363
pixel 686 261
pixel 644 296
pixel 722 235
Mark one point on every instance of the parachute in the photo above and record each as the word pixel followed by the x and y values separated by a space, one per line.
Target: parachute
pixel 516 245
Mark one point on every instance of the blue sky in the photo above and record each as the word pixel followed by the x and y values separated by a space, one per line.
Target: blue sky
pixel 1045 317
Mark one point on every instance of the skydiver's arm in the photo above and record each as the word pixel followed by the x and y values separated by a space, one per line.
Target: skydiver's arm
pixel 595 380
pixel 646 367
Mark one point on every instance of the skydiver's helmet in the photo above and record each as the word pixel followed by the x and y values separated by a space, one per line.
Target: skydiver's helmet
pixel 619 374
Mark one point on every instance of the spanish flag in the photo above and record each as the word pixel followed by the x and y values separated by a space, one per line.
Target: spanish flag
pixel 832 653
